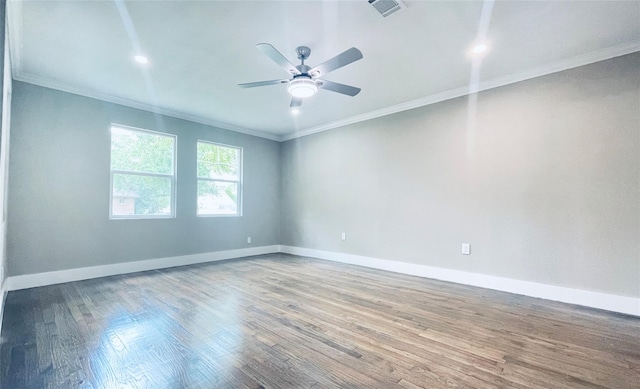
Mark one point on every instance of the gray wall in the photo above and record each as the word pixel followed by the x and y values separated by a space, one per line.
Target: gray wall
pixel 543 181
pixel 59 188
pixel 4 139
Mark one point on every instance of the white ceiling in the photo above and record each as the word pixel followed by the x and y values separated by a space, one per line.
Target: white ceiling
pixel 199 52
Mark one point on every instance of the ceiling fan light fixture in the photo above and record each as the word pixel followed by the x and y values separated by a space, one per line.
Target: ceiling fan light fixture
pixel 302 87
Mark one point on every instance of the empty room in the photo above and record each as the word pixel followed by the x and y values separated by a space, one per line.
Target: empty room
pixel 320 194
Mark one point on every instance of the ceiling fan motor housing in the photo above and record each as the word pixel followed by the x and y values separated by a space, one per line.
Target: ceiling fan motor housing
pixel 303 69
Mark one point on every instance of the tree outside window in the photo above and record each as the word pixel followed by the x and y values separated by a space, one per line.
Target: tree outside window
pixel 219 170
pixel 142 173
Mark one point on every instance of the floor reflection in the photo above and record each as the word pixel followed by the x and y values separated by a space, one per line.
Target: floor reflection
pixel 149 348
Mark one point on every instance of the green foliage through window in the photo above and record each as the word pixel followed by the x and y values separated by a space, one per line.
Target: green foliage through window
pixel 219 183
pixel 142 173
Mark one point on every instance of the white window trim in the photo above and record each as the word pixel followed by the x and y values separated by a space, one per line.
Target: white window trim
pixel 172 176
pixel 239 181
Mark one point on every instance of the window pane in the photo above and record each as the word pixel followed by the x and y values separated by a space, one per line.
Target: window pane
pixel 216 161
pixel 141 195
pixel 217 198
pixel 139 151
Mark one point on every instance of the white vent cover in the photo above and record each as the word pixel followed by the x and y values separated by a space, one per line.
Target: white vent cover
pixel 387 7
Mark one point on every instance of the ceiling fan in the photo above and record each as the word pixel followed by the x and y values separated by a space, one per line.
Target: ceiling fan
pixel 306 80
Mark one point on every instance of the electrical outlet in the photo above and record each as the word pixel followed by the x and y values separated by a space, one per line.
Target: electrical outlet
pixel 344 236
pixel 466 249
pixel 248 240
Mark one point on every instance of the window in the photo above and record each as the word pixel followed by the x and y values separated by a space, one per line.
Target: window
pixel 219 180
pixel 142 174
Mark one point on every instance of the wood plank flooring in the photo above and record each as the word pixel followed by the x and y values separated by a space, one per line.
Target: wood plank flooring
pixel 282 321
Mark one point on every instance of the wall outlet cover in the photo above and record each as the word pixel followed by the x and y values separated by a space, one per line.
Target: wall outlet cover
pixel 466 249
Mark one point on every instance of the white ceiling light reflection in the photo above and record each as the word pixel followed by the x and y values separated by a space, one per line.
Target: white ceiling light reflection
pixel 479 49
pixel 141 59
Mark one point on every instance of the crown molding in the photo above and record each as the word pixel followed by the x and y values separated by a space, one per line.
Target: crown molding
pixel 14 21
pixel 14 18
pixel 31 79
pixel 569 63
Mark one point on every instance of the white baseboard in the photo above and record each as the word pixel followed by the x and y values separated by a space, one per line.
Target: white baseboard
pixel 85 273
pixel 3 298
pixel 609 302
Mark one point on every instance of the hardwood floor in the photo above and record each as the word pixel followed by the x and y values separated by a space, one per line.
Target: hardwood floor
pixel 281 321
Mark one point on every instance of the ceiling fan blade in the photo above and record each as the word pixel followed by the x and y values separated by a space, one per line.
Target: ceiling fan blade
pixel 340 88
pixel 336 62
pixel 262 83
pixel 278 58
pixel 295 102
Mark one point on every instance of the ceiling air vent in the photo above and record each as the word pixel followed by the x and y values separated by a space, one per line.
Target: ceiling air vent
pixel 387 7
